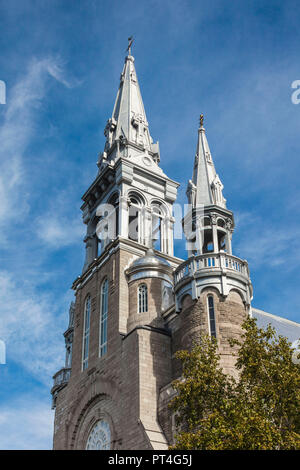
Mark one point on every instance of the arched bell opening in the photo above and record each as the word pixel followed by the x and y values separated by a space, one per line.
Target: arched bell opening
pixel 135 218
pixel 208 243
pixel 222 240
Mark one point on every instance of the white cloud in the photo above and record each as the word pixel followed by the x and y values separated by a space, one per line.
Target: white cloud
pixel 26 424
pixel 31 324
pixel 32 319
pixel 58 232
pixel 264 242
pixel 55 69
pixel 17 132
pixel 60 224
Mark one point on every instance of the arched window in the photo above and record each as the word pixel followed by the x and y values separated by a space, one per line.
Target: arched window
pixel 99 437
pixel 211 316
pixel 143 298
pixel 86 333
pixel 68 361
pixel 157 227
pixel 103 318
pixel 161 233
pixel 206 222
pixel 135 220
pixel 208 244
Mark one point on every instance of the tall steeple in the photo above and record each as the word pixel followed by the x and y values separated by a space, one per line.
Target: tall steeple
pixel 129 179
pixel 129 112
pixel 205 188
pixel 212 274
pixel 128 123
pixel 209 224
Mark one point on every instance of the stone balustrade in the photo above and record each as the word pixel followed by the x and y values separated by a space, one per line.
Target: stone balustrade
pixel 211 261
pixel 61 378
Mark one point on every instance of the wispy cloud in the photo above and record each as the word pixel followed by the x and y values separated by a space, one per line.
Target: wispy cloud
pixel 29 326
pixel 29 317
pixel 25 424
pixel 60 224
pixel 266 242
pixel 16 132
pixel 56 232
pixel 56 70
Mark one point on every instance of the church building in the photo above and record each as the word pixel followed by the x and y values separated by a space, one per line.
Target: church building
pixel 136 303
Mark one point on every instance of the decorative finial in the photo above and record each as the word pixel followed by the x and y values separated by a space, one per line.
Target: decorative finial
pixel 130 41
pixel 201 120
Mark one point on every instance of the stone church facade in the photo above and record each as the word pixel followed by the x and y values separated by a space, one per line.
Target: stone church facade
pixel 136 303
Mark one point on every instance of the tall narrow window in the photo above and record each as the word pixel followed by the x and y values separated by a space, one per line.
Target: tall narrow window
pixel 143 298
pixel 135 219
pixel 103 318
pixel 156 230
pixel 162 232
pixel 68 361
pixel 86 333
pixel 211 316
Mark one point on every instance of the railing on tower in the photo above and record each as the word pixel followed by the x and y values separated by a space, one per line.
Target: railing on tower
pixel 211 261
pixel 61 378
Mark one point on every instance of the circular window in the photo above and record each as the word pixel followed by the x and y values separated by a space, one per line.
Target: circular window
pixel 99 437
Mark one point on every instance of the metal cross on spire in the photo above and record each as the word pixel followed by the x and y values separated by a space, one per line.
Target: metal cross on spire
pixel 130 41
pixel 201 120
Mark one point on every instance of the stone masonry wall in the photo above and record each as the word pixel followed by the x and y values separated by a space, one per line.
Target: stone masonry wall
pixel 188 325
pixel 118 386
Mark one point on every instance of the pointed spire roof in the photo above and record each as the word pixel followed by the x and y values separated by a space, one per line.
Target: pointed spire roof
pixel 205 188
pixel 129 111
pixel 129 122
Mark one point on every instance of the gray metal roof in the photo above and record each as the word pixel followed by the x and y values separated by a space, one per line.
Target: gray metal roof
pixel 283 327
pixel 150 259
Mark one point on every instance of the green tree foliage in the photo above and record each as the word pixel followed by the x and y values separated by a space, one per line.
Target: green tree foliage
pixel 259 410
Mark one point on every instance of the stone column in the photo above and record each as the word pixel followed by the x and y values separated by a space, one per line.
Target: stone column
pixel 228 242
pixel 147 211
pixel 215 233
pixel 199 236
pixel 229 232
pixel 169 236
pixel 123 216
pixel 89 253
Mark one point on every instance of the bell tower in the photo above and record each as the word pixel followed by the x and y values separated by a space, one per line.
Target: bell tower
pixel 215 281
pixel 131 197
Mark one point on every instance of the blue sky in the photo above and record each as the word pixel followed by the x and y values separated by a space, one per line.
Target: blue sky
pixel 61 61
